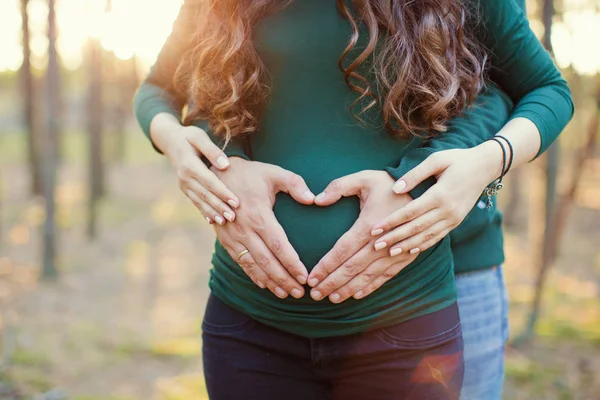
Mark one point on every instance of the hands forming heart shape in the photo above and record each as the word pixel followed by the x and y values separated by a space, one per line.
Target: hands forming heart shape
pixel 354 267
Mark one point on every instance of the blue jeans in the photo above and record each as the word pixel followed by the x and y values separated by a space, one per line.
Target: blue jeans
pixel 483 308
pixel 418 359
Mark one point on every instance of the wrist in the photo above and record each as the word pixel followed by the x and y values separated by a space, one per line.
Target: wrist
pixel 489 154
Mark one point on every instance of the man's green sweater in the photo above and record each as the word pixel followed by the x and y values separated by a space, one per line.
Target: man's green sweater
pixel 307 129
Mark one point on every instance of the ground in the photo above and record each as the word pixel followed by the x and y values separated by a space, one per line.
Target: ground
pixel 122 320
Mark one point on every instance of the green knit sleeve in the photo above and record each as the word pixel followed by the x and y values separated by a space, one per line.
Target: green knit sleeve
pixel 524 69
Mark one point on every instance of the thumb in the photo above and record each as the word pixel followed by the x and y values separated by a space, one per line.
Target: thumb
pixel 346 186
pixel 293 184
pixel 431 166
pixel 200 140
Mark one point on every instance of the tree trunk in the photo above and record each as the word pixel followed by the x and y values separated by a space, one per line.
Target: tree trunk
pixel 50 147
pixel 95 128
pixel 33 145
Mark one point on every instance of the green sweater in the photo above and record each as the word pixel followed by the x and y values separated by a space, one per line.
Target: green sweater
pixel 308 129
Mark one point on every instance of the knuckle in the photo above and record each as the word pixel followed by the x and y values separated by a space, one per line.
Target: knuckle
pixel 350 269
pixel 340 253
pixel 276 245
pixel 334 186
pixel 418 228
pixel 262 260
pixel 429 236
pixel 387 275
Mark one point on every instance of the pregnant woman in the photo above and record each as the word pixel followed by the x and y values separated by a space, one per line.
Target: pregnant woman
pixel 307 97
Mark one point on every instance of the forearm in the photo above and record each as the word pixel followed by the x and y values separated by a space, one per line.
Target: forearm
pixel 162 127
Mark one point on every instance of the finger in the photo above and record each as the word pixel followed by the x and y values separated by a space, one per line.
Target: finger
pixel 431 166
pixel 213 201
pixel 346 186
pixel 424 240
pixel 208 149
pixel 409 229
pixel 346 246
pixel 412 210
pixel 361 280
pixel 285 283
pixel 344 273
pixel 380 280
pixel 206 178
pixel 210 214
pixel 247 263
pixel 277 241
pixel 293 184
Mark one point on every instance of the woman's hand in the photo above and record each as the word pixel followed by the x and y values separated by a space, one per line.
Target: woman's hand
pixel 353 267
pixel 270 260
pixel 462 175
pixel 211 196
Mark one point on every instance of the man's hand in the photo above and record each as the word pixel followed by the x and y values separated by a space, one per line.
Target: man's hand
pixel 353 267
pixel 271 261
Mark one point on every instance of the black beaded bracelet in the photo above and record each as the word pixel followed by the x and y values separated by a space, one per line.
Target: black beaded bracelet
pixel 497 185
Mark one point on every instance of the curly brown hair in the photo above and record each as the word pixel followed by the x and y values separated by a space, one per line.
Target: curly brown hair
pixel 427 63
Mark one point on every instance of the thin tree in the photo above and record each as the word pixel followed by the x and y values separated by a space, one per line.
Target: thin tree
pixel 50 147
pixel 28 90
pixel 95 128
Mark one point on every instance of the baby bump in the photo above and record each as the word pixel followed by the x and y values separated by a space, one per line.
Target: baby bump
pixel 313 230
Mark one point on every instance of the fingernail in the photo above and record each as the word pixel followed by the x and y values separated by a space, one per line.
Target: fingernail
pixel 380 245
pixel 415 250
pixel 358 294
pixel 280 292
pixel 208 220
pixel 233 203
pixel 222 162
pixel 297 293
pixel 261 285
pixel 395 251
pixel 376 232
pixel 320 197
pixel 335 298
pixel 315 294
pixel 399 186
pixel 219 220
pixel 301 279
pixel 312 282
pixel 228 216
pixel 308 195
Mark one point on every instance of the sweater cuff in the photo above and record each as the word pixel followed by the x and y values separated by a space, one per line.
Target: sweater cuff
pixel 409 161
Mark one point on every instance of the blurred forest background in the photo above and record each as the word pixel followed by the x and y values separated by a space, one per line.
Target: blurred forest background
pixel 104 264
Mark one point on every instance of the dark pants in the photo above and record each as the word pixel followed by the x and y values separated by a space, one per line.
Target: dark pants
pixel 418 359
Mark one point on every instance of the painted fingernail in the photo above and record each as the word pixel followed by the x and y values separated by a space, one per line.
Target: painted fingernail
pixel 415 250
pixel 376 232
pixel 233 203
pixel 312 282
pixel 320 197
pixel 316 295
pixel 297 293
pixel 335 298
pixel 219 220
pixel 395 251
pixel 261 285
pixel 399 186
pixel 280 292
pixel 308 195
pixel 222 162
pixel 228 216
pixel 358 294
pixel 209 220
pixel 380 245
pixel 301 279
